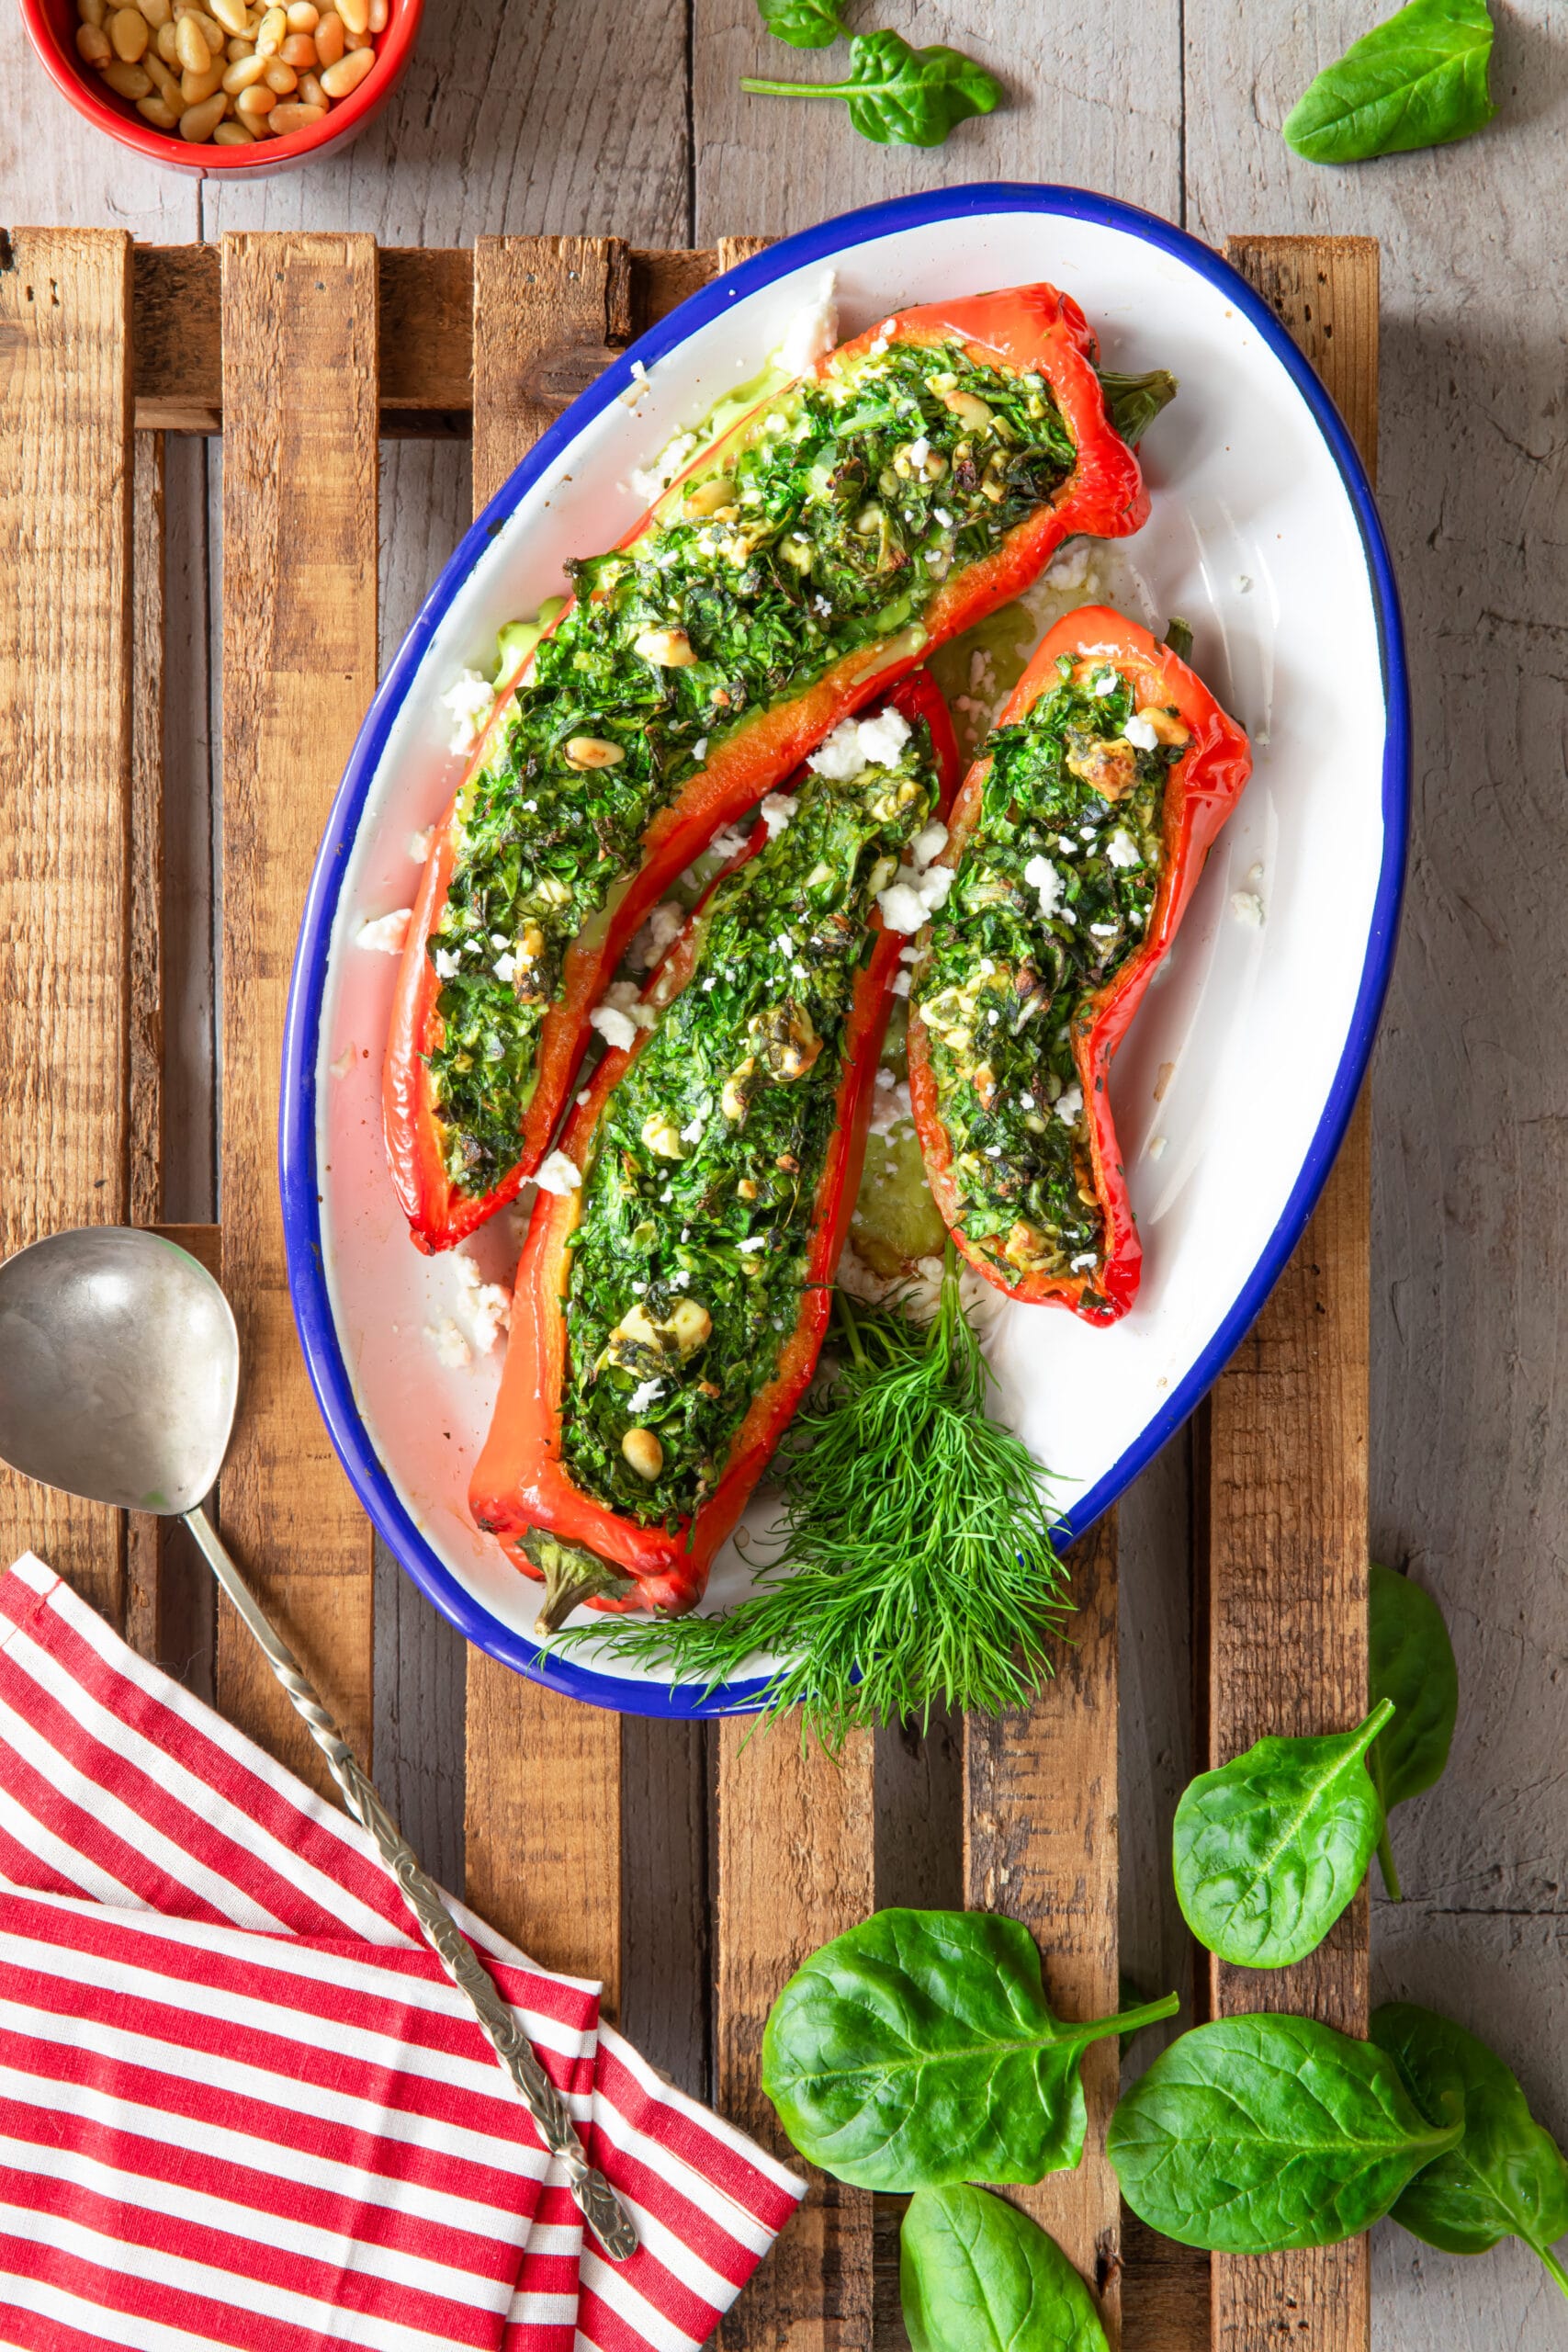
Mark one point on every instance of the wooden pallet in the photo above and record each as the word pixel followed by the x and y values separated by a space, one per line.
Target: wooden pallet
pixel 302 351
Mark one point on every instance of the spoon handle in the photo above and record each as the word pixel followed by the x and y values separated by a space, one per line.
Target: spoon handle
pixel 601 2209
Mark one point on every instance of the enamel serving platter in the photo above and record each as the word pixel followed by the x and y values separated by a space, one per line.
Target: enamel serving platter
pixel 1235 1086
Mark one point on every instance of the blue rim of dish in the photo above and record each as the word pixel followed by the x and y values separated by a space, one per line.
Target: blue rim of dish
pixel 307 1285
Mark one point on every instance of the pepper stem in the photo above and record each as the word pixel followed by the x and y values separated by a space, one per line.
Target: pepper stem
pixel 572 1575
pixel 1135 402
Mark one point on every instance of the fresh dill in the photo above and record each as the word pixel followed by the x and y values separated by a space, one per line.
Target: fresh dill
pixel 917 1568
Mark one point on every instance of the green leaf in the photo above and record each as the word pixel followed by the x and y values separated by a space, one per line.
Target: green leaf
pixel 1417 81
pixel 1413 1664
pixel 1270 1848
pixel 918 2050
pixel 805 24
pixel 976 2275
pixel 1507 2177
pixel 910 97
pixel 1262 2133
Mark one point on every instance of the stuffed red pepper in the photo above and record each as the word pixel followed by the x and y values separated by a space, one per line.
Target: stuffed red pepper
pixel 1078 838
pixel 916 480
pixel 676 1281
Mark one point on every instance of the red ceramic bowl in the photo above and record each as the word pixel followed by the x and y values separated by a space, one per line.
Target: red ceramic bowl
pixel 52 26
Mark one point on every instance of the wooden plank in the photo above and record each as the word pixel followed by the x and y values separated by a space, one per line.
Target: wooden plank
pixel 1283 1555
pixel 300 602
pixel 65 774
pixel 795 1842
pixel 543 1786
pixel 425 341
pixel 1040 1844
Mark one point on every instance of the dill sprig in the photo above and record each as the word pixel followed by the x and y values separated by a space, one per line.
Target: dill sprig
pixel 917 1568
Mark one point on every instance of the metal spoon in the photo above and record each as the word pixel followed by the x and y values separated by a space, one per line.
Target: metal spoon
pixel 120 1371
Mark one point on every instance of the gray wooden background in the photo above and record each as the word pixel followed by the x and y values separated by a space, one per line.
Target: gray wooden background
pixel 623 116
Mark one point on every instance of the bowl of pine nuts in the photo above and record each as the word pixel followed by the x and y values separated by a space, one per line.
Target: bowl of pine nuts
pixel 226 88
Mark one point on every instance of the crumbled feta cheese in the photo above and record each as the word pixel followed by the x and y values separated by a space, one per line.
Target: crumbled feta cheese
pixel 753 1241
pixel 618 1032
pixel 1081 1265
pixel 680 1279
pixel 560 1174
pixel 1122 849
pixel 693 1133
pixel 1247 908
pixel 775 812
pixel 900 983
pixel 1105 683
pixel 1069 1106
pixel 386 933
pixel 1065 842
pixel 1157 1146
pixel 1140 732
pixel 838 756
pixel 651 482
pixel 919 450
pixel 505 967
pixel 1067 568
pixel 940 514
pixel 643 1394
pixel 1104 930
pixel 451 1348
pixel 882 738
pixel 1254 876
pixel 468 702
pixel 446 963
pixel 728 844
pixel 1041 876
pixel 929 842
pixel 419 844
pixel 785 944
pixel 662 926
pixel 626 997
pixel 1027 1102
pixel 486 1307
pixel 893 1108
pixel 813 328
pixel 904 909
pixel 909 955
pixel 345 1062
pixel 885 1077
pixel 932 886
pixel 700 749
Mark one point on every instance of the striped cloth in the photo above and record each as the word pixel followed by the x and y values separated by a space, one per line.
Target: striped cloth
pixel 239 2103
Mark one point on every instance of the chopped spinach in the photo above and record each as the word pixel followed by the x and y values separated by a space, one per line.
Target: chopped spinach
pixel 698 1210
pixel 851 501
pixel 1051 895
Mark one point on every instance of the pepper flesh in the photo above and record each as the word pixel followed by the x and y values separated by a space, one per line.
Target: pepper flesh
pixel 522 1489
pixel 1201 789
pixel 1031 331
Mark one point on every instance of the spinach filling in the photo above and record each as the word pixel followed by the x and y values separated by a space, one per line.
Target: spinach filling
pixel 1052 895
pixel 833 528
pixel 697 1212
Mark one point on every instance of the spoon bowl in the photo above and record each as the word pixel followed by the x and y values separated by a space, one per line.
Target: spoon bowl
pixel 119 1368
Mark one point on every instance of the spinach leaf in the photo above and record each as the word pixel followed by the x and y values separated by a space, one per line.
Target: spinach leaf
pixel 917 2049
pixel 910 97
pixel 1413 1664
pixel 1417 81
pixel 1506 2177
pixel 1270 1848
pixel 976 2275
pixel 805 24
pixel 1260 2133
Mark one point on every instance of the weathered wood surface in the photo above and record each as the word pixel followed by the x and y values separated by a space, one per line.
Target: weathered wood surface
pixel 298 669
pixel 577 120
pixel 65 778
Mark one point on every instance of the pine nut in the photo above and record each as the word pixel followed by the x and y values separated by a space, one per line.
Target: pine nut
pixel 127 79
pixel 328 38
pixel 191 46
pixel 357 41
pixel 233 15
pixel 211 31
pixel 299 50
pixel 272 33
pixel 347 73
pixel 159 113
pixel 163 82
pixel 289 117
pixel 157 12
pixel 377 17
pixel 253 104
pixel 356 15
pixel 311 91
pixel 92 46
pixel 201 121
pixel 233 134
pixel 303 17
pixel 643 1451
pixel 281 80
pixel 243 71
pixel 94 13
pixel 197 88
pixel 128 30
pixel 168 39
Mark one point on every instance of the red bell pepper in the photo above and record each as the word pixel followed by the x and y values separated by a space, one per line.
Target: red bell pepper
pixel 1201 789
pixel 1032 329
pixel 521 1489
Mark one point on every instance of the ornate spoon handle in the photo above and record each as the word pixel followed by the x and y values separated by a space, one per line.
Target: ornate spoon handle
pixel 601 2209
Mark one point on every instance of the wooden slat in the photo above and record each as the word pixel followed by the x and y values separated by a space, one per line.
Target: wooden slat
pixel 426 332
pixel 1040 1845
pixel 299 604
pixel 796 1866
pixel 1283 1456
pixel 65 778
pixel 543 1785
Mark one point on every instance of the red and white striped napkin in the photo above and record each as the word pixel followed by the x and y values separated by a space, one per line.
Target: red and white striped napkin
pixel 239 2103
